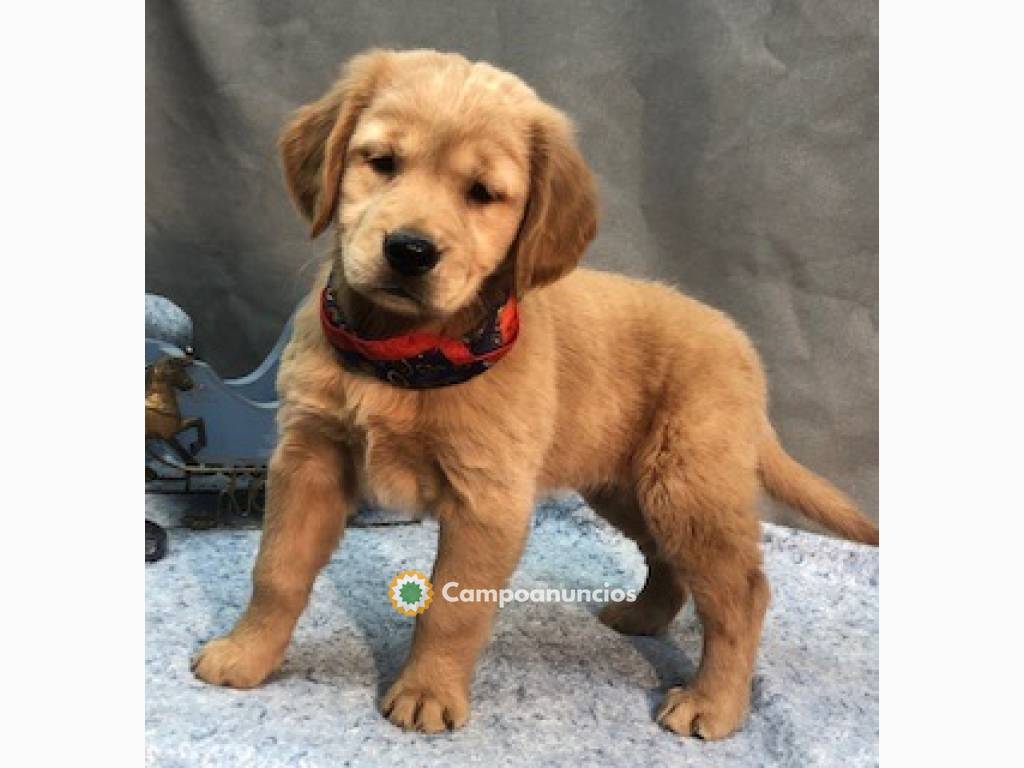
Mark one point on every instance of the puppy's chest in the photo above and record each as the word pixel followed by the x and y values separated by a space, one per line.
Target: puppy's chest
pixel 397 468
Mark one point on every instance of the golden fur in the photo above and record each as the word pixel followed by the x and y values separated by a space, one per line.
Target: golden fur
pixel 650 403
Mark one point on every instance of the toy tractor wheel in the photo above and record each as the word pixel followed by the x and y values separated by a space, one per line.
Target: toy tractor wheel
pixel 156 542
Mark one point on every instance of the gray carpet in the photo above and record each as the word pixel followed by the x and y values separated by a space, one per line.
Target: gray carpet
pixel 555 687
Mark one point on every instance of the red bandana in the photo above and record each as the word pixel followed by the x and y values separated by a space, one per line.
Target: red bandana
pixel 421 360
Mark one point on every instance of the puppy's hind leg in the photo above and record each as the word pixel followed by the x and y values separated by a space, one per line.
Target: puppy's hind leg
pixel 663 593
pixel 697 493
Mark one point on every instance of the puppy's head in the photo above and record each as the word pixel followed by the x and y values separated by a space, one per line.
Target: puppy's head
pixel 437 175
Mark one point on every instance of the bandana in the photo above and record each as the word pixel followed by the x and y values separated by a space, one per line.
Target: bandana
pixel 421 360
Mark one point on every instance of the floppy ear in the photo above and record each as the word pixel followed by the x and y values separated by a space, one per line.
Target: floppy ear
pixel 561 213
pixel 313 144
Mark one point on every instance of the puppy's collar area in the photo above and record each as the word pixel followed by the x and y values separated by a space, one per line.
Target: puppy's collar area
pixel 421 360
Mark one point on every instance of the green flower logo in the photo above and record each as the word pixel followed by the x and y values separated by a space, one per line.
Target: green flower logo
pixel 410 593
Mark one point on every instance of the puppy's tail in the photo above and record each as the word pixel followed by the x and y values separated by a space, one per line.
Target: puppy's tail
pixel 795 485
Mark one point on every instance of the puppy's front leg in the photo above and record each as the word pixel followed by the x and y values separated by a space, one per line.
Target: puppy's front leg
pixel 308 497
pixel 478 548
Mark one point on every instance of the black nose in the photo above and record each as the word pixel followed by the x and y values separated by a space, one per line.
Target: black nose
pixel 409 253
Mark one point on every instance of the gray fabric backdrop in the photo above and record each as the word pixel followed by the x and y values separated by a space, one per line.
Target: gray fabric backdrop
pixel 735 143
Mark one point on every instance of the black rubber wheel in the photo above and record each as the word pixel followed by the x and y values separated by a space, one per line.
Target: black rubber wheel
pixel 156 542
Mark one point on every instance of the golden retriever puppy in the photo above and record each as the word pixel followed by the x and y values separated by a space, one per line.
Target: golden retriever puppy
pixel 450 360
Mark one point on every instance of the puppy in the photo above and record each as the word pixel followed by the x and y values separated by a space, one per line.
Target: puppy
pixel 450 360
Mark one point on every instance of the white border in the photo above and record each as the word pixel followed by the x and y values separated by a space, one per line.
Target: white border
pixel 72 312
pixel 951 342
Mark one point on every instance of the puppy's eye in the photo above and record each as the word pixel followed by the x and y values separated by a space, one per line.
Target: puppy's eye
pixel 478 193
pixel 385 165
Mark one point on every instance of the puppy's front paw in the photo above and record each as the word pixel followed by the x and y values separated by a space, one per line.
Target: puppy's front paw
pixel 425 708
pixel 234 663
pixel 690 713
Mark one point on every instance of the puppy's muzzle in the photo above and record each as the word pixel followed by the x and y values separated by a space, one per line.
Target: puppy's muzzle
pixel 409 253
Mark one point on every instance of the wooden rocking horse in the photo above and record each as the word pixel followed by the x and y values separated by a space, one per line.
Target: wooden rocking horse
pixel 163 418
